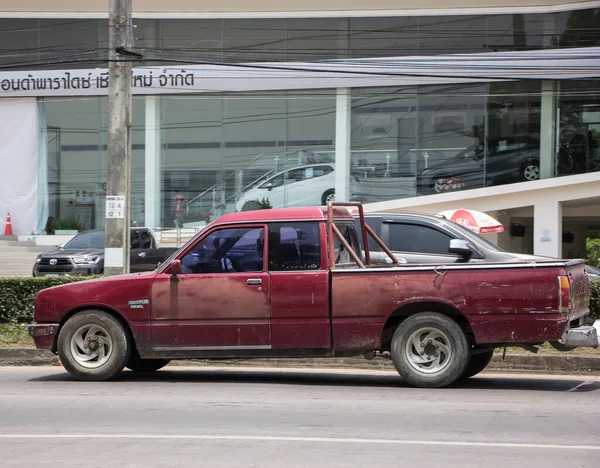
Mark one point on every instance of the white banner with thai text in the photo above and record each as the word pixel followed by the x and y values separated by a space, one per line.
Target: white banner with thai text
pixel 551 64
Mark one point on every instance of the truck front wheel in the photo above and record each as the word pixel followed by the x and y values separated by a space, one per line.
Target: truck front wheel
pixel 430 350
pixel 93 345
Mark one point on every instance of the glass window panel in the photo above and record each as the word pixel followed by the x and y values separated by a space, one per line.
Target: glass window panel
pixel 226 251
pixel 580 28
pixel 452 34
pixel 418 239
pixel 76 135
pixel 19 46
pixel 254 40
pixel 383 143
pixel 579 127
pixel 190 40
pixel 384 37
pixel 316 39
pixel 71 43
pixel 294 246
pixel 451 135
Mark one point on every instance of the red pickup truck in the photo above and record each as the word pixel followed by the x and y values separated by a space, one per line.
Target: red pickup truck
pixel 297 283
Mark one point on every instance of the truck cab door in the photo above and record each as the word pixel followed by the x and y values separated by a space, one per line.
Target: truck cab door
pixel 221 300
pixel 299 277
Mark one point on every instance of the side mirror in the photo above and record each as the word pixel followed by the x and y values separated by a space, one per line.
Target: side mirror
pixel 460 247
pixel 175 268
pixel 269 186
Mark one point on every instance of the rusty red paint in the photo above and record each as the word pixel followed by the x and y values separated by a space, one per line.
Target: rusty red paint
pixel 318 309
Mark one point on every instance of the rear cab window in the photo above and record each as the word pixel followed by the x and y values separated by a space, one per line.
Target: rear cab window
pixel 294 246
pixel 342 257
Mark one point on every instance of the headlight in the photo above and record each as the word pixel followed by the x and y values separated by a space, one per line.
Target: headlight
pixel 38 260
pixel 86 260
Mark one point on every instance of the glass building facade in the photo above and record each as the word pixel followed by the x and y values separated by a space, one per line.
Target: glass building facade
pixel 228 151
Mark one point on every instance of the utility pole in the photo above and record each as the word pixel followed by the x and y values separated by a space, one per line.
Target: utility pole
pixel 118 163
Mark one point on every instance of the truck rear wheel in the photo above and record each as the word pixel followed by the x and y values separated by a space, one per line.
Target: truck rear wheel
pixel 93 345
pixel 430 350
pixel 137 364
pixel 477 363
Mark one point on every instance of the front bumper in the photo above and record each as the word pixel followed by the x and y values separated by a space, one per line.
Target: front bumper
pixel 43 334
pixel 67 270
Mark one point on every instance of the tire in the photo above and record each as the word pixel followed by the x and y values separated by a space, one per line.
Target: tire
pixel 477 363
pixel 430 350
pixel 328 196
pixel 103 332
pixel 137 364
pixel 530 171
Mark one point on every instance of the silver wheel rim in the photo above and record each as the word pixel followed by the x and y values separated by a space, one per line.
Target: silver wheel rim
pixel 439 185
pixel 91 346
pixel 428 350
pixel 330 197
pixel 532 172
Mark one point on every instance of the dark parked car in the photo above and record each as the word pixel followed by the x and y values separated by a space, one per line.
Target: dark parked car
pixel 512 159
pixel 417 238
pixel 84 254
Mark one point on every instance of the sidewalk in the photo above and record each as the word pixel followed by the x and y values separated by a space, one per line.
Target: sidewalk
pixel 513 363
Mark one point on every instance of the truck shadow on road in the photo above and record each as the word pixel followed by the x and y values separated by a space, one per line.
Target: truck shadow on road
pixel 337 378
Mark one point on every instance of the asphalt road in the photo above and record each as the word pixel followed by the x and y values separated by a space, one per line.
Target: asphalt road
pixel 268 418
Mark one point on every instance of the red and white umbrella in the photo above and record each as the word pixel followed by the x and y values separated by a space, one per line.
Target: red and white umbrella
pixel 476 221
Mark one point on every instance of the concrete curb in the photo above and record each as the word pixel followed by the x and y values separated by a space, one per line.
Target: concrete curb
pixel 515 363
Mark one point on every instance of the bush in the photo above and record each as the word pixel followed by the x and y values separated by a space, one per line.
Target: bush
pixel 17 295
pixel 595 299
pixel 593 252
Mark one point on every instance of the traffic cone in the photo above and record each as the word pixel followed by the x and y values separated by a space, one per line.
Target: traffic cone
pixel 8 226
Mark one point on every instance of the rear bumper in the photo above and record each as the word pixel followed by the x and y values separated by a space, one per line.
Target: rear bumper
pixel 43 334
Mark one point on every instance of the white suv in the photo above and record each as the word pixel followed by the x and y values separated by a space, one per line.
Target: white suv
pixel 301 186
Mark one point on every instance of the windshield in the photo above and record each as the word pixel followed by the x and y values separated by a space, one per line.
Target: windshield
pixel 475 238
pixel 87 240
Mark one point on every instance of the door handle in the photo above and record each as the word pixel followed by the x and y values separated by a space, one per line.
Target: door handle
pixel 253 282
pixel 142 254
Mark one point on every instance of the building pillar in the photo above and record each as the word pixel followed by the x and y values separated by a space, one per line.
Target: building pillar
pixel 343 111
pixel 153 156
pixel 547 228
pixel 548 129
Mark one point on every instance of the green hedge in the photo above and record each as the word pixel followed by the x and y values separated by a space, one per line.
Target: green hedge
pixel 595 299
pixel 17 295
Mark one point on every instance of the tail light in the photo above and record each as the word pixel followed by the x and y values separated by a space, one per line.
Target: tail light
pixel 564 298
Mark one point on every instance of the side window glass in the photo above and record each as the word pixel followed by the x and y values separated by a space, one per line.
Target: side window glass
pixel 274 182
pixel 146 240
pixel 226 251
pixel 295 175
pixel 135 240
pixel 418 239
pixel 294 246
